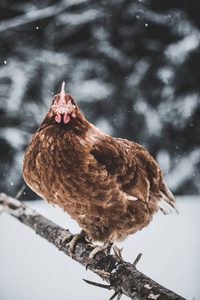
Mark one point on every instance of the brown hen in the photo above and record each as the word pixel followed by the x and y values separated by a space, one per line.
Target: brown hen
pixel 110 186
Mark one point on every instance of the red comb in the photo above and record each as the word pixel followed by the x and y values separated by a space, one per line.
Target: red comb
pixel 62 94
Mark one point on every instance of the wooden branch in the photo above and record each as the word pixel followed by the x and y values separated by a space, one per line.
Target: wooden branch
pixel 123 277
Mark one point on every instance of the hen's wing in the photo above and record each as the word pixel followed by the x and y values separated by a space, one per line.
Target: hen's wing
pixel 120 159
pixel 137 172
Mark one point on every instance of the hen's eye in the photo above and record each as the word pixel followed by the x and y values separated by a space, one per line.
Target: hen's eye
pixel 55 103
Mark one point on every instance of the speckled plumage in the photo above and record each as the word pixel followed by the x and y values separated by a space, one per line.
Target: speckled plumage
pixel 110 186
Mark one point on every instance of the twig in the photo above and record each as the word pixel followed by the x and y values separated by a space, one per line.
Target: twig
pixel 123 277
pixel 104 286
pixel 20 192
pixel 116 294
pixel 137 259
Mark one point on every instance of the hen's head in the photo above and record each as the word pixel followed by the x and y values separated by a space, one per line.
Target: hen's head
pixel 63 106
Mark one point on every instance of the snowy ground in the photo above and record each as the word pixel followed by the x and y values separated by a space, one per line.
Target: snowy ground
pixel 31 268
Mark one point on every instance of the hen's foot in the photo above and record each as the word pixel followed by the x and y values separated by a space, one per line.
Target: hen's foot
pixel 74 239
pixel 77 237
pixel 105 247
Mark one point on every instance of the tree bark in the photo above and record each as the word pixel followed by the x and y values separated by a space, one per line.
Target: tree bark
pixel 123 277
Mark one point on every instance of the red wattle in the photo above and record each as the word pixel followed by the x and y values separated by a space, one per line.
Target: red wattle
pixel 58 118
pixel 66 118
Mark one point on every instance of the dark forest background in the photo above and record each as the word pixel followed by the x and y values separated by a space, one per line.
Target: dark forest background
pixel 132 66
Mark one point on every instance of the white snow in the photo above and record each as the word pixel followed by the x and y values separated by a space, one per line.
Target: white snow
pixel 32 268
pixel 184 170
pixel 164 160
pixel 104 125
pixel 166 74
pixel 152 119
pixel 92 87
pixel 178 52
pixel 177 113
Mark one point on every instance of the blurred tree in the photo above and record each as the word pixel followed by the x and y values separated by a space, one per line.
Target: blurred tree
pixel 133 67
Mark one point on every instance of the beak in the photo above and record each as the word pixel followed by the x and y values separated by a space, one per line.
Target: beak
pixel 62 108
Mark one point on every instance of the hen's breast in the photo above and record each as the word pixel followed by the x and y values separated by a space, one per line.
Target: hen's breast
pixel 52 163
pixel 62 170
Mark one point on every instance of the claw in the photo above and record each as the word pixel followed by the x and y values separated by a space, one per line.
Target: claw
pixel 72 240
pixel 75 239
pixel 66 237
pixel 106 246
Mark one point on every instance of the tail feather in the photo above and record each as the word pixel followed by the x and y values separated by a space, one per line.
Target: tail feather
pixel 167 202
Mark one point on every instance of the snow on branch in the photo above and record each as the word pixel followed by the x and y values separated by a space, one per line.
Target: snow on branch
pixel 123 277
pixel 36 15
